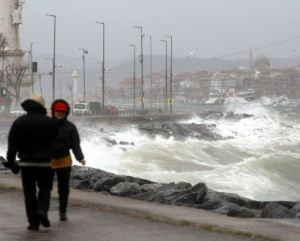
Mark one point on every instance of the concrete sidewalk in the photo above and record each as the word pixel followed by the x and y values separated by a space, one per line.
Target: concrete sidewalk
pixel 285 230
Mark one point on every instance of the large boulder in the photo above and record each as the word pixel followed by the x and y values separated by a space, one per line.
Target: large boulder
pixel 215 199
pixel 275 210
pixel 87 173
pixel 152 187
pixel 180 194
pixel 244 212
pixel 106 183
pixel 160 193
pixel 125 189
pixel 193 195
pixel 211 204
pixel 139 181
pixel 296 209
pixel 234 210
pixel 80 184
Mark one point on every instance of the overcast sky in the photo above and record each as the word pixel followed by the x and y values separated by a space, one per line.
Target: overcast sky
pixel 206 28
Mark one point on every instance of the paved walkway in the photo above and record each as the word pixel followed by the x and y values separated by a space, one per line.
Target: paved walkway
pixel 92 224
pixel 93 215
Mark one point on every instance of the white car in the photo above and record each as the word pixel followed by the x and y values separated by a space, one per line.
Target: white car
pixel 81 108
pixel 16 112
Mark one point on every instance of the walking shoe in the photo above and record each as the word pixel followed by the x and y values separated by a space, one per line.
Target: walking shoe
pixel 44 220
pixel 33 227
pixel 63 217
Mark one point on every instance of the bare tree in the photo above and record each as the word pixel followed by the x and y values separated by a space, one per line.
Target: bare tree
pixel 14 78
pixel 3 45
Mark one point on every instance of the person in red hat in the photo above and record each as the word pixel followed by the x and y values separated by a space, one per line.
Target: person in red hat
pixel 68 139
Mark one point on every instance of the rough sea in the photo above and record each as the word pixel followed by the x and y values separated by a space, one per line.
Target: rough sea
pixel 260 159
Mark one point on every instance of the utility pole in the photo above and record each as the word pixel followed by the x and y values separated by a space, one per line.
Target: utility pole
pixel 31 65
pixel 166 76
pixel 134 71
pixel 171 75
pixel 103 64
pixel 54 55
pixel 84 52
pixel 151 84
pixel 142 68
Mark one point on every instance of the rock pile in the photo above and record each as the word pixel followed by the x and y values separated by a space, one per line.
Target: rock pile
pixel 183 194
pixel 182 131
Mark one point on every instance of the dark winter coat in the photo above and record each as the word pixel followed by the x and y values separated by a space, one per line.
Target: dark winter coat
pixel 67 139
pixel 31 136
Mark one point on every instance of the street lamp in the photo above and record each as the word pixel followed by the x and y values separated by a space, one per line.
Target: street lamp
pixel 171 75
pixel 84 52
pixel 103 63
pixel 134 47
pixel 166 76
pixel 31 61
pixel 142 67
pixel 54 53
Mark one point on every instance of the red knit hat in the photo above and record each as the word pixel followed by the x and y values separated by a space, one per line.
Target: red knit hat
pixel 61 106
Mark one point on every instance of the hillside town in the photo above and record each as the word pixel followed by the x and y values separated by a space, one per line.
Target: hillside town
pixel 251 83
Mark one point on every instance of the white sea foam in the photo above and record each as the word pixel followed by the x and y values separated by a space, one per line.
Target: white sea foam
pixel 243 164
pixel 258 159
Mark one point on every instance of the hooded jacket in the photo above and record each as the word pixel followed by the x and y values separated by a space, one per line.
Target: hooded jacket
pixel 31 136
pixel 68 137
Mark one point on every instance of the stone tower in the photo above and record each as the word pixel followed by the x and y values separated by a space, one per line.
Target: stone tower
pixel 10 19
pixel 15 80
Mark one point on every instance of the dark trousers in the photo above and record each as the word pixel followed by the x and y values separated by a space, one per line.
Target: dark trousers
pixel 63 185
pixel 36 202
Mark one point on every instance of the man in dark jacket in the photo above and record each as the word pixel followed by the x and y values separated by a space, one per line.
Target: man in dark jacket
pixel 31 137
pixel 68 139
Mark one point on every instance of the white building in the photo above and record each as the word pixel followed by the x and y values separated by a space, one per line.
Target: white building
pixel 221 82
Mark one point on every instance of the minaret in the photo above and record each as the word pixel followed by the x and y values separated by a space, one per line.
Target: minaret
pixel 251 58
pixel 10 19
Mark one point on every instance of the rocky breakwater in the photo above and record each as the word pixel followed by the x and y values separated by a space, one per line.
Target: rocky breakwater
pixel 182 131
pixel 182 194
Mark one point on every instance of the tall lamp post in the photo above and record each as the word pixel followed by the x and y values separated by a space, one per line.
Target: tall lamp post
pixel 103 63
pixel 84 52
pixel 54 55
pixel 166 76
pixel 134 70
pixel 142 68
pixel 171 75
pixel 31 61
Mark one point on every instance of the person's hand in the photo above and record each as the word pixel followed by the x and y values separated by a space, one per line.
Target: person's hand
pixel 83 162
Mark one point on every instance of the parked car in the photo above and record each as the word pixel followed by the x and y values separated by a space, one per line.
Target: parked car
pixel 81 108
pixel 111 110
pixel 16 112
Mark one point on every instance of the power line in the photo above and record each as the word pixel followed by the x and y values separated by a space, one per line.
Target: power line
pixel 261 47
pixel 92 72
